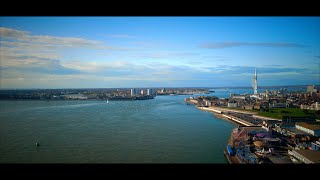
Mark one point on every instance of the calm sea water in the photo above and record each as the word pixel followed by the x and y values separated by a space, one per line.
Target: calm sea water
pixel 160 130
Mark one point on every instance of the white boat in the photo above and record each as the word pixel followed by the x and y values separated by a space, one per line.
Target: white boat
pixel 107 100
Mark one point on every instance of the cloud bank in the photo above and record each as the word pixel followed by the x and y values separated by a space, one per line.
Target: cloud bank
pixel 222 45
pixel 29 61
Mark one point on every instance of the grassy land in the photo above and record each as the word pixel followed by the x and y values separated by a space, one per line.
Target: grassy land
pixel 292 112
pixel 278 113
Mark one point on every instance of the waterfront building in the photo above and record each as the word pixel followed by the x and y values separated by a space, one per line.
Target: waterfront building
pixel 133 92
pixel 207 103
pixel 239 96
pixel 308 128
pixel 149 92
pixel 313 106
pixel 232 103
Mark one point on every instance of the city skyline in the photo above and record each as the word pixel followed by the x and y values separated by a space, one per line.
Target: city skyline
pixel 111 52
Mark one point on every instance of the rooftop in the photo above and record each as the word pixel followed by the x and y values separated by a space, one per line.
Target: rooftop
pixel 313 156
pixel 309 126
pixel 258 143
pixel 295 131
pixel 280 160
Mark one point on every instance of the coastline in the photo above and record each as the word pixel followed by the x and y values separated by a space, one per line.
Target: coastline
pixel 218 113
pixel 88 99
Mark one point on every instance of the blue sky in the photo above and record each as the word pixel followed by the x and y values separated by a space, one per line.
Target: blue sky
pixel 106 52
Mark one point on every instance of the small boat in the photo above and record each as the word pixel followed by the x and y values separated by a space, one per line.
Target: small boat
pixel 107 101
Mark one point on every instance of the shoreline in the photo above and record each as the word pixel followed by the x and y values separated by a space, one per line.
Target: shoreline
pixel 111 99
pixel 218 113
pixel 219 110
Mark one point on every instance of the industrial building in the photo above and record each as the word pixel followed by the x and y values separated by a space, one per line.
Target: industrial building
pixel 305 156
pixel 308 128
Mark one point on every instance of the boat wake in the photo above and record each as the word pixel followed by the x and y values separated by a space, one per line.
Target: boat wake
pixel 67 106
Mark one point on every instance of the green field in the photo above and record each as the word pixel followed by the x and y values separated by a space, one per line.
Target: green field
pixel 278 113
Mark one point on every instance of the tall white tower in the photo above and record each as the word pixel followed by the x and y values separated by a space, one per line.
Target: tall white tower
pixel 149 92
pixel 133 92
pixel 255 82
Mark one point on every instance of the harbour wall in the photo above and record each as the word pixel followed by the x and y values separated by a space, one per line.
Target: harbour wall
pixel 232 118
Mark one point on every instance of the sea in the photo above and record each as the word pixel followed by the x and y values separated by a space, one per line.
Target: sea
pixel 160 130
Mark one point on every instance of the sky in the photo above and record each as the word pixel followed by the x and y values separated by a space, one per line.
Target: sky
pixel 128 52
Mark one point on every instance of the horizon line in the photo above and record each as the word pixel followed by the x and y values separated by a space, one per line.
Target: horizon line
pixel 159 87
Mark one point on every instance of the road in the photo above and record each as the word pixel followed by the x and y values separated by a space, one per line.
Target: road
pixel 249 114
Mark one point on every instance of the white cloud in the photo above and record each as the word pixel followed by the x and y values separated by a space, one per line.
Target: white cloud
pixel 20 50
pixel 26 62
pixel 167 54
pixel 12 33
pixel 283 74
pixel 23 40
pixel 95 67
